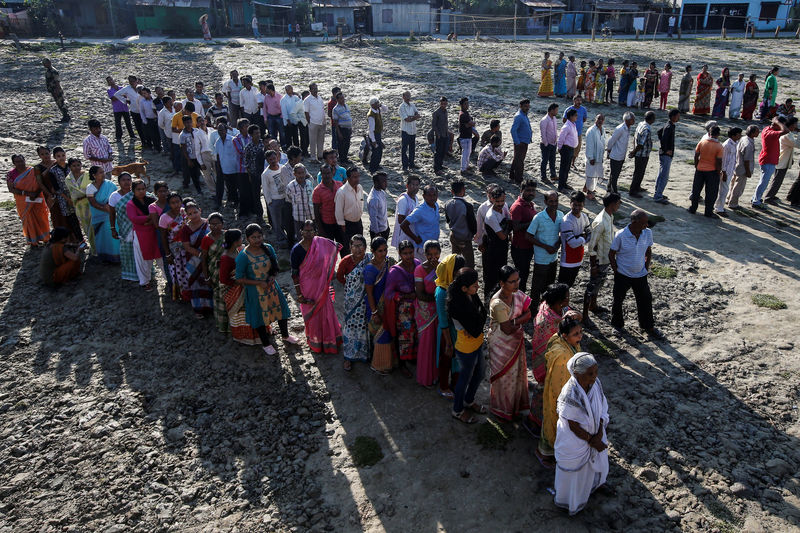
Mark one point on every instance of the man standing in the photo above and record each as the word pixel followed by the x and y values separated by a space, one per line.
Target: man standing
pixel 785 161
pixel 643 145
pixel 543 233
pixel 577 105
pixel 441 136
pixel 548 130
pixel 630 257
pixel 293 158
pixel 349 204
pixel 465 127
pixel 602 234
pixel 272 114
pixel 567 142
pixel 375 131
pixel 202 97
pixel 708 165
pixel 228 163
pixel 149 115
pixel 460 217
pixel 331 104
pixel 302 123
pixel 325 206
pixel 665 153
pixel 231 89
pixel 299 192
pixel 405 205
pixel 728 169
pixel 254 24
pixel 191 166
pixel 314 108
pixel 130 94
pixel 52 82
pixel 490 157
pixel 249 98
pixel 575 232
pixel 376 207
pixel 97 149
pixel 408 131
pixel 595 149
pixel 342 127
pixel 218 110
pixel 255 163
pixel 617 148
pixel 745 163
pixel 165 125
pixel 522 212
pixel 274 191
pixel 120 111
pixel 422 224
pixel 288 104
pixel 199 107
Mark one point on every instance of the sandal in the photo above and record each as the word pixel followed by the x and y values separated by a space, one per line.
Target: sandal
pixel 446 394
pixel 379 372
pixel 546 462
pixel 347 365
pixel 477 408
pixel 460 417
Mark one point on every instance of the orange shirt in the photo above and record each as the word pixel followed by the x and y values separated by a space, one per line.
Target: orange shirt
pixel 177 120
pixel 710 150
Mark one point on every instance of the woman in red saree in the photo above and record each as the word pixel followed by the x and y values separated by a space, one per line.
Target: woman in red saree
pixel 509 309
pixel 425 314
pixel 31 207
pixel 313 262
pixel 702 100
pixel 750 98
pixel 399 298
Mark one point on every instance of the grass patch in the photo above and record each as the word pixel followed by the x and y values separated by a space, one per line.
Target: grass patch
pixel 749 213
pixel 663 271
pixel 8 204
pixel 623 188
pixel 606 348
pixel 366 451
pixel 491 435
pixel 769 301
pixel 652 220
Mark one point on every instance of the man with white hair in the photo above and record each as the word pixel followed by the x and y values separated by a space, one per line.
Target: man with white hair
pixel 374 131
pixel 617 148
pixel 595 146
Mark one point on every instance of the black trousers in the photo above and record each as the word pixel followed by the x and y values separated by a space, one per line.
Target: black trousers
pixel 254 188
pixel 377 154
pixel 350 229
pixel 303 131
pixel 566 162
pixel 119 116
pixel 292 136
pixel 331 231
pixel 548 159
pixel 230 182
pixel 246 200
pixel 440 150
pixel 568 274
pixel 543 277
pixel 644 299
pixel 137 121
pixel 374 234
pixel 609 91
pixel 777 181
pixel 710 180
pixel 639 166
pixel 408 148
pixel 191 172
pixel 794 192
pixel 283 325
pixel 522 258
pixel 489 165
pixel 343 144
pixel 153 135
pixel 616 169
pixel 495 257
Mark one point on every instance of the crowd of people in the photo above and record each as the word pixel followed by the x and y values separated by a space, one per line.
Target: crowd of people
pixel 424 314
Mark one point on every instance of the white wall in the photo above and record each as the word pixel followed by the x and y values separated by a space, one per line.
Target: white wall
pixel 405 17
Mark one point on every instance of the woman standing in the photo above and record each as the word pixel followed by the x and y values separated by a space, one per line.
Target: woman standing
pixel 723 94
pixel 256 268
pixel 32 210
pixel 685 91
pixel 213 246
pixel 400 295
pixel 54 185
pixel 600 83
pixel 581 445
pixel 469 316
pixel 355 334
pixel 664 85
pixel 589 84
pixel 560 349
pixel 205 28
pixel 624 83
pixel 769 103
pixel 155 210
pixel 750 98
pixel 447 365
pixel 611 76
pixel 105 234
pixel 313 262
pixel 497 235
pixel 737 95
pixel 144 239
pixel 554 307
pixel 702 100
pixel 376 273
pixel 509 309
pixel 425 313
pixel 546 87
pixel 560 76
pixel 170 224
pixel 77 181
pixel 632 73
pixel 232 293
pixel 119 201
pixel 650 82
pixel 190 259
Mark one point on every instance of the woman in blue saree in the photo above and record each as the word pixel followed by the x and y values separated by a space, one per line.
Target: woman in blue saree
pixel 560 77
pixel 98 192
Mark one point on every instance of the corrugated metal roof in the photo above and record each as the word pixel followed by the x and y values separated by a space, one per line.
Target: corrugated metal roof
pixel 340 3
pixel 544 4
pixel 173 3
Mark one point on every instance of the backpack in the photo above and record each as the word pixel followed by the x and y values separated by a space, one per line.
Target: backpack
pixel 364 150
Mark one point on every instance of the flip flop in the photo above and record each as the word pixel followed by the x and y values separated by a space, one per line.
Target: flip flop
pixel 480 409
pixel 470 420
pixel 449 394
pixel 347 365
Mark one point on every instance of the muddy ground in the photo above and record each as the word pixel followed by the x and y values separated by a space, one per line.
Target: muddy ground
pixel 120 411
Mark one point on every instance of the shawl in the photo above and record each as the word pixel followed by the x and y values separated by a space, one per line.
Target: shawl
pixel 444 271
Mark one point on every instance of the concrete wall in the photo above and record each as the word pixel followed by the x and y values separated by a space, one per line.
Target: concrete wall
pixel 331 16
pixel 404 18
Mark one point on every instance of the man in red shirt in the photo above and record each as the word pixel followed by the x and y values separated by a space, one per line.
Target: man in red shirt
pixel 768 158
pixel 522 212
pixel 325 207
pixel 708 165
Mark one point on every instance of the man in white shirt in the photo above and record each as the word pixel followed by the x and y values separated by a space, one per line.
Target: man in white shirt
pixel 198 105
pixel 405 204
pixel 349 204
pixel 274 191
pixel 408 131
pixel 314 108
pixel 728 169
pixel 204 153
pixel 617 148
pixel 149 117
pixel 288 102
pixel 595 148
pixel 575 232
pixel 165 124
pixel 130 94
pixel 248 98
pixel 376 207
pixel 231 89
pixel 785 161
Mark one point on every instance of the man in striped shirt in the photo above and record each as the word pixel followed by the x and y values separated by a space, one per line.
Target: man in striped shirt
pixel 96 147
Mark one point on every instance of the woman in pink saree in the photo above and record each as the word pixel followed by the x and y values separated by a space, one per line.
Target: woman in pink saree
pixel 313 262
pixel 31 208
pixel 425 314
pixel 509 309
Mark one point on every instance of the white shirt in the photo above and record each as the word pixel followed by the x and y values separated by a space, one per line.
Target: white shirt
pixel 272 185
pixel 249 100
pixel 233 88
pixel 288 103
pixel 405 205
pixel 618 143
pixel 371 122
pixel 349 203
pixel 480 219
pixel 376 207
pixel 298 115
pixel 131 95
pixel 198 106
pixel 165 120
pixel 788 143
pixel 408 110
pixel 315 107
pixel 571 233
pixel 729 157
pixel 595 146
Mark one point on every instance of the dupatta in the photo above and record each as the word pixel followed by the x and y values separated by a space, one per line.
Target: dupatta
pixel 316 273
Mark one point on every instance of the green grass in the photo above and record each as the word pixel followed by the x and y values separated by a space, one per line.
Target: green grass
pixel 491 435
pixel 606 348
pixel 8 204
pixel 662 271
pixel 769 301
pixel 365 451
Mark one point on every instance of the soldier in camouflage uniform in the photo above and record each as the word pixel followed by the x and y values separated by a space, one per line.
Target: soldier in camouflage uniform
pixel 53 83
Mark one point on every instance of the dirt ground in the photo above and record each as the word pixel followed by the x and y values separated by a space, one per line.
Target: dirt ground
pixel 120 411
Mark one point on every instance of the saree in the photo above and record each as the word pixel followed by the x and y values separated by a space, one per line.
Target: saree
pixel 399 317
pixel 323 331
pixel 600 86
pixel 59 269
pixel 214 250
pixel 737 92
pixel 651 78
pixel 545 325
pixel 580 469
pixel 382 353
pixel 721 98
pixel 702 100
pixel 685 93
pixel 749 100
pixel 263 305
pixel 624 84
pixel 125 232
pixel 508 381
pixel 589 84
pixel 177 270
pixel 558 353
pixel 195 290
pixel 77 192
pixel 233 297
pixel 62 213
pixel 106 245
pixel 32 213
pixel 560 79
pixel 546 87
pixel 427 328
pixel 355 334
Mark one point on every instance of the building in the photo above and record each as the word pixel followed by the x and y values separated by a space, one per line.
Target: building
pixel 352 16
pixel 700 15
pixel 173 18
pixel 401 16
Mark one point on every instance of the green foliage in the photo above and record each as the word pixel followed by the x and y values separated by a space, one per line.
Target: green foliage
pixel 8 204
pixel 492 435
pixel 486 7
pixel 769 301
pixel 605 348
pixel 663 271
pixel 366 451
pixel 43 15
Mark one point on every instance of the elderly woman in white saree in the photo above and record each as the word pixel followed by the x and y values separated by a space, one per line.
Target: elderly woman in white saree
pixel 581 444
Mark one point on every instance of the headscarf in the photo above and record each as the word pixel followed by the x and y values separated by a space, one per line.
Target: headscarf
pixel 444 271
pixel 580 363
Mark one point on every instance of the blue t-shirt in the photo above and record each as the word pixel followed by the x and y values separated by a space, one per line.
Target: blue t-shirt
pixel 339 175
pixel 582 113
pixel 341 114
pixel 546 230
pixel 424 220
pixel 228 158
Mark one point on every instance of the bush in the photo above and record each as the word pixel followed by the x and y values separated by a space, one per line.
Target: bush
pixel 366 451
pixel 663 271
pixel 769 301
pixel 492 435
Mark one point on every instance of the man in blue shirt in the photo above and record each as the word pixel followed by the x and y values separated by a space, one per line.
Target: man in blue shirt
pixel 544 234
pixel 582 114
pixel 425 221
pixel 521 135
pixel 228 164
pixel 630 256
pixel 331 157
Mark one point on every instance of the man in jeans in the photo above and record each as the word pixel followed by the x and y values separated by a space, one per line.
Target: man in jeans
pixel 342 126
pixel 522 212
pixel 521 136
pixel 408 131
pixel 121 111
pixel 642 146
pixel 567 142
pixel 465 127
pixel 667 137
pixel 441 135
pixel 769 156
pixel 617 148
pixel 543 233
pixel 272 114
pixel 708 164
pixel 460 217
pixel 548 128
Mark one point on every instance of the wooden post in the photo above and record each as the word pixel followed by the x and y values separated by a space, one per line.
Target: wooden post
pixel 515 20
pixel 549 23
pixel 724 33
pixel 679 32
pixel 637 34
pixel 340 33
pixel 777 31
pixel 797 33
pixel 594 24
pixel 658 23
pixel 646 23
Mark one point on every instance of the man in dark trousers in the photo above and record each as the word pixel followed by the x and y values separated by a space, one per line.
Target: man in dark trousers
pixel 52 81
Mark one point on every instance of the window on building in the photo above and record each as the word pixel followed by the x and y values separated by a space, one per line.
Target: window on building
pixel 769 10
pixel 387 16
